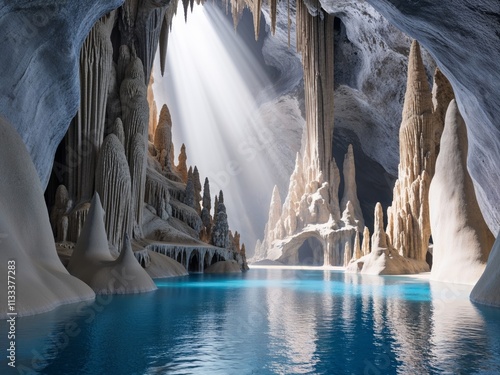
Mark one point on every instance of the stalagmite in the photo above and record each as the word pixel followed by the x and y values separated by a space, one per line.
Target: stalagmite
pixel 357 254
pixel 153 111
pixel 135 109
pixel 163 139
pixel 86 132
pixel 347 254
pixel 189 192
pixel 408 217
pixel 366 241
pixel 462 240
pixel 207 201
pixel 117 130
pixel 60 213
pixel 383 258
pixel 350 190
pixel 182 164
pixel 93 263
pixel 220 230
pixel 113 184
pixel 42 282
pixel 197 189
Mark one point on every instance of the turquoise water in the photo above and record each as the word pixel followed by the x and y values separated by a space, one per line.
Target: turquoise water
pixel 266 322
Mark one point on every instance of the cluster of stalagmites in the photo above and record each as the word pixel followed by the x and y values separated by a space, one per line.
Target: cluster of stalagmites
pixel 119 149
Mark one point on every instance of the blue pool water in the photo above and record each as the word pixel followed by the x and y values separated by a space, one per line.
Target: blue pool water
pixel 266 322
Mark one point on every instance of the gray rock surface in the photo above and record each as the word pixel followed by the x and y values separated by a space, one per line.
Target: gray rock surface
pixel 39 94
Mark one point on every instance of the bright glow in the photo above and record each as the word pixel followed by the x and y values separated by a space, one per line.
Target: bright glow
pixel 211 85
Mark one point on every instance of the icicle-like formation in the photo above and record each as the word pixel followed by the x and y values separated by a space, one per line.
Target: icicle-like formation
pixel 148 27
pixel 86 132
pixel 114 187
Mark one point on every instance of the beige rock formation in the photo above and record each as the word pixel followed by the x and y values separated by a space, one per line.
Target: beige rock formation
pixel 383 258
pixel 182 164
pixel 311 208
pixel 153 111
pixel 366 241
pixel 350 189
pixel 93 263
pixel 408 217
pixel 462 240
pixel 357 254
pixel 442 95
pixel 163 138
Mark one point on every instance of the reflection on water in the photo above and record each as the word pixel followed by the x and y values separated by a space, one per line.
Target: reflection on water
pixel 267 322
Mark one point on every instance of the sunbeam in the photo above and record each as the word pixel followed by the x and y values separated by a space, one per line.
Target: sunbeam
pixel 217 92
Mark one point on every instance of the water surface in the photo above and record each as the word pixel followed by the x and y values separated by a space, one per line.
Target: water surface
pixel 267 321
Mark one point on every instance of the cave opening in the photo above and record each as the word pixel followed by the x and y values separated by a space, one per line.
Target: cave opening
pixel 311 253
pixel 194 262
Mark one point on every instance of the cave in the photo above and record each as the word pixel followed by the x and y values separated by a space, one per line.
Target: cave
pixel 310 253
pixel 321 174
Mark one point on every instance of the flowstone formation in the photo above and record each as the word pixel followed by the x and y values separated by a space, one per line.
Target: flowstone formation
pixel 462 240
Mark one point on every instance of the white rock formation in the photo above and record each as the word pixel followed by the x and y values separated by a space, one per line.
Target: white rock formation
pixel 485 292
pixel 384 259
pixel 26 239
pixel 93 263
pixel 462 240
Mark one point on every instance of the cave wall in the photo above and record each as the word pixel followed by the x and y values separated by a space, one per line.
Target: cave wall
pixel 40 44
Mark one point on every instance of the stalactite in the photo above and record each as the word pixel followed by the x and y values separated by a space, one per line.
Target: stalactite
pixel 165 28
pixel 86 132
pixel 113 184
pixel 148 26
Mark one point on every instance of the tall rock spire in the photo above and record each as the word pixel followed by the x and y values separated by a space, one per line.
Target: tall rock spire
pixel 408 217
pixel 350 190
